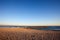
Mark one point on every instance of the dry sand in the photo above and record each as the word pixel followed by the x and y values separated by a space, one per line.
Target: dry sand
pixel 28 34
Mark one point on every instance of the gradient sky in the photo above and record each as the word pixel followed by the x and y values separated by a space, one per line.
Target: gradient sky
pixel 30 12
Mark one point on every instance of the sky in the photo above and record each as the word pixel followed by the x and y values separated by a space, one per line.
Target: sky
pixel 29 12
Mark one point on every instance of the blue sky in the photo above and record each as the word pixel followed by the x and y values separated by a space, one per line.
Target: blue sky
pixel 30 12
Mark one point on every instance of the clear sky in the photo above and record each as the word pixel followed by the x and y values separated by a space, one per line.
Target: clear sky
pixel 30 12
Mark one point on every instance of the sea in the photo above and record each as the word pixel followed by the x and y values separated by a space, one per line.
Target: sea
pixel 51 28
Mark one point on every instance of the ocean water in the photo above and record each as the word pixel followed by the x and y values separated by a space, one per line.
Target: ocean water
pixel 50 28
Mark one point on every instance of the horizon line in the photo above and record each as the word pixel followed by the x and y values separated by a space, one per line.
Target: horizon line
pixel 27 25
